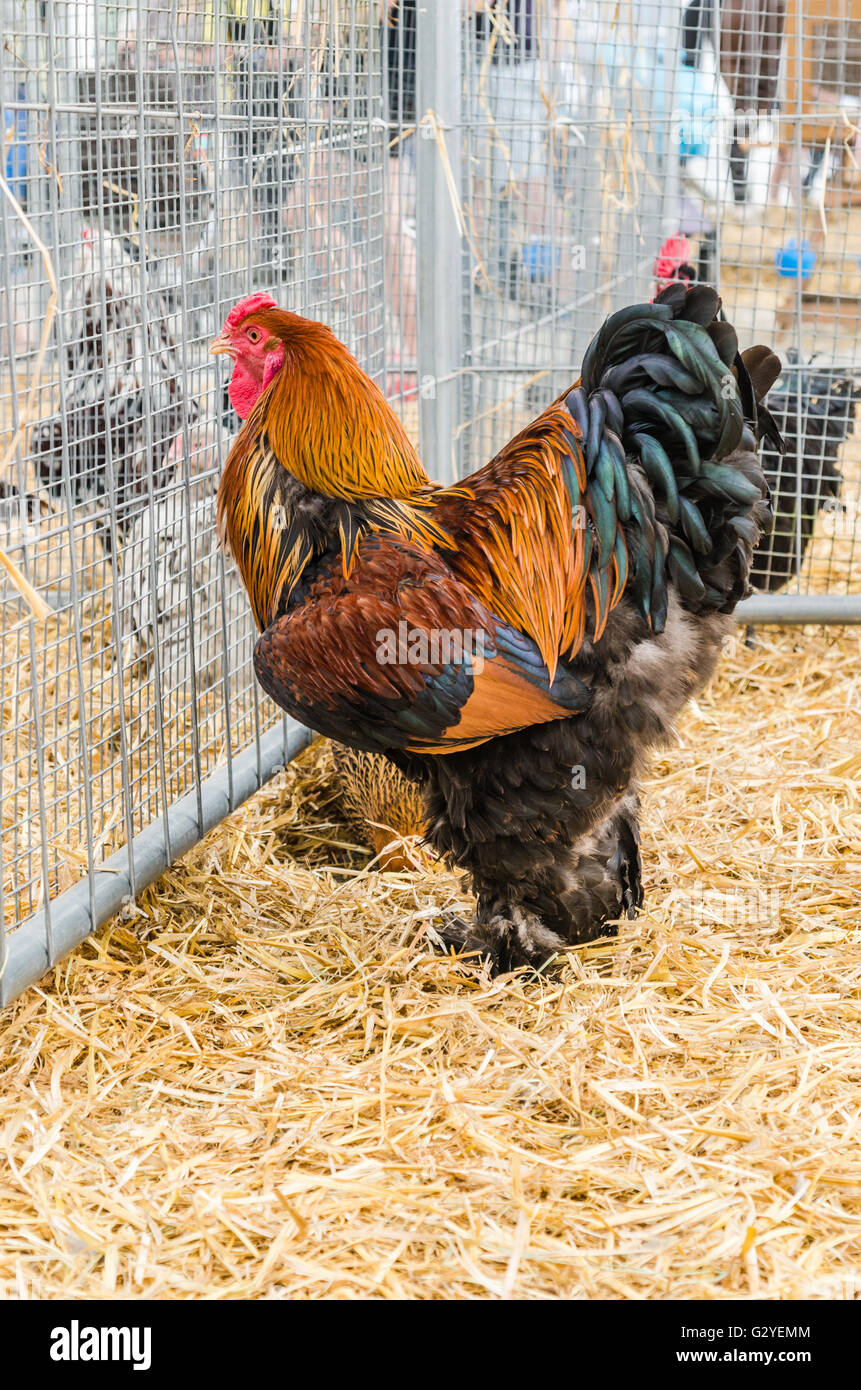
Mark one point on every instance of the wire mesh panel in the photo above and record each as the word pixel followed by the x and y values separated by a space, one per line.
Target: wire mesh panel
pixel 785 183
pixel 607 147
pixel 160 161
pixel 463 190
pixel 570 180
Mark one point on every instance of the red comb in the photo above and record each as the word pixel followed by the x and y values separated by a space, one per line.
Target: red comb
pixel 249 306
pixel 674 252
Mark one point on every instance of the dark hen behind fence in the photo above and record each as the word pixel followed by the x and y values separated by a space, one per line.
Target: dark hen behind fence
pixel 826 399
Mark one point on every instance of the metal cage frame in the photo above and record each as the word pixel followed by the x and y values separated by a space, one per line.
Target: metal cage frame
pixel 259 149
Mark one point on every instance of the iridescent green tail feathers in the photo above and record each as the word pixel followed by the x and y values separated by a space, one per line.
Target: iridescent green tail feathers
pixel 670 416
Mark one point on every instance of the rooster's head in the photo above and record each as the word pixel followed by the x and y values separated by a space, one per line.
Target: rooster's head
pixel 257 347
pixel 326 422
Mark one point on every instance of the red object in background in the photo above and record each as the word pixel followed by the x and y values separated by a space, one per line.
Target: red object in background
pixel 674 263
pixel 401 384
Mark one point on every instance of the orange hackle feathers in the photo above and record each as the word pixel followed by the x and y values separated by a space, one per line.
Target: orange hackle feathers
pixel 251 525
pixel 325 423
pixel 520 543
pixel 328 421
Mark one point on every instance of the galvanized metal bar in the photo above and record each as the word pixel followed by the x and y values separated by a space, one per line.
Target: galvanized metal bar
pixel 146 189
pixel 438 240
pixel 186 481
pixel 220 434
pixel 792 608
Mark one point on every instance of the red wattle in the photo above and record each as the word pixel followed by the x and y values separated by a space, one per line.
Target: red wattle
pixel 244 390
pixel 246 387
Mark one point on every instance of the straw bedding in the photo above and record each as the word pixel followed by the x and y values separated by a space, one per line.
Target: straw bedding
pixel 266 1083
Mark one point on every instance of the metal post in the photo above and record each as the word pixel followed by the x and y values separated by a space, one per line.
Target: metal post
pixel 438 239
pixel 670 199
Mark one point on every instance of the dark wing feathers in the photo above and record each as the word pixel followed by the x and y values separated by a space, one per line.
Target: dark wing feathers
pixel 763 367
pixel 400 655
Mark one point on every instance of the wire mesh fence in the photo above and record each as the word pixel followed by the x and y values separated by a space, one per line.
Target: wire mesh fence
pixel 463 190
pixel 570 178
pixel 161 160
pixel 607 149
pixel 604 150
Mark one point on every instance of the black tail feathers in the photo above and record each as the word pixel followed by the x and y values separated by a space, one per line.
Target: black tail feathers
pixel 663 386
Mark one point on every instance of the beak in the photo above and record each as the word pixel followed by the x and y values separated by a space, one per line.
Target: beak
pixel 221 344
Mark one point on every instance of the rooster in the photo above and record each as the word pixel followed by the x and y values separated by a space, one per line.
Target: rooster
pixel 519 641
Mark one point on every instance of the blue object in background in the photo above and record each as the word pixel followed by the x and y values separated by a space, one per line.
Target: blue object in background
pixel 697 107
pixel 15 143
pixel 643 65
pixel 540 259
pixel 792 263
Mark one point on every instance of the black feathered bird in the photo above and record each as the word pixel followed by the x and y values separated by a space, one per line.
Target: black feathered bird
pixel 123 402
pixel 814 409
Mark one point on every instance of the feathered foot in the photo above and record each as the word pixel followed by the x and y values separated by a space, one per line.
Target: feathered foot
pixel 604 874
pixel 594 884
pixel 504 942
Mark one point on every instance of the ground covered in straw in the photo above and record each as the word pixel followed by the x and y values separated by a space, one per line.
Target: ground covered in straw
pixel 267 1084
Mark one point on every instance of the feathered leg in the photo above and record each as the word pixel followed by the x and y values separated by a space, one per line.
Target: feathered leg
pixel 545 820
pixel 592 884
pixel 604 873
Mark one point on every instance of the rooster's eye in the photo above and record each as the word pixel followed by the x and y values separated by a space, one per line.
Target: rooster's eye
pixel 253 334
